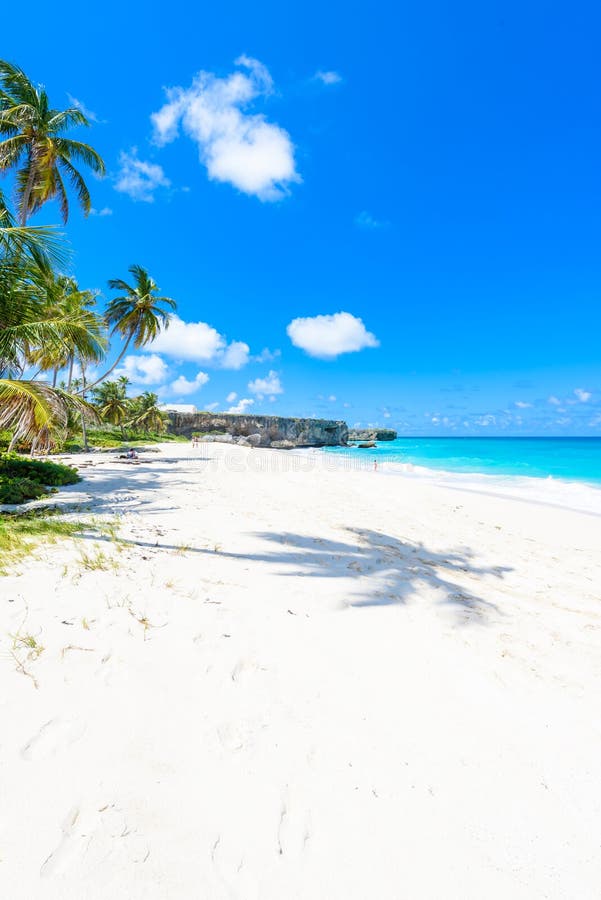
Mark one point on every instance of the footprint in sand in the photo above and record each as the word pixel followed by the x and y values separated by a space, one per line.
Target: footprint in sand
pixel 53 736
pixel 234 875
pixel 244 668
pixel 90 836
pixel 294 829
pixel 67 849
pixel 230 737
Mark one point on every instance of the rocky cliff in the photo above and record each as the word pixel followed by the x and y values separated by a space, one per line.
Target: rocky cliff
pixel 373 434
pixel 265 431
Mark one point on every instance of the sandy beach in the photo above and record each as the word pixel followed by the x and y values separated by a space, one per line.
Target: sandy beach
pixel 280 679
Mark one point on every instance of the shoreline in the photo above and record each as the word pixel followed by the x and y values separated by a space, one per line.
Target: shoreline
pixel 578 496
pixel 271 679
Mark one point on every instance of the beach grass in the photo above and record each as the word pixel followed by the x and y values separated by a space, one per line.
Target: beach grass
pixel 22 533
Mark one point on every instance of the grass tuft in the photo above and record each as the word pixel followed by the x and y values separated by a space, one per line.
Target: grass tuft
pixel 21 533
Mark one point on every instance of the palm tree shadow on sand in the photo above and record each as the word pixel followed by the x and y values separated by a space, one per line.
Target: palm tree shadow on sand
pixel 389 570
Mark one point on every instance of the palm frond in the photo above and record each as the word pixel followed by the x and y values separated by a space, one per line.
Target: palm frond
pixel 30 407
pixel 77 150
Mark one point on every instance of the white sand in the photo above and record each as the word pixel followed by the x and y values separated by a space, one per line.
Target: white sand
pixel 315 684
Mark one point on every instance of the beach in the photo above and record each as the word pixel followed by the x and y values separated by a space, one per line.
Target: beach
pixel 267 676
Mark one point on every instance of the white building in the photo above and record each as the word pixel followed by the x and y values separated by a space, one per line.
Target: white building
pixel 178 407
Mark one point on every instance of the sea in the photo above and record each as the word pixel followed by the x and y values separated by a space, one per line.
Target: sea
pixel 569 459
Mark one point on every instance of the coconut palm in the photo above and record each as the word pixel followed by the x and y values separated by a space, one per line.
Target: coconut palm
pixel 145 413
pixel 63 299
pixel 30 407
pixel 111 400
pixel 138 315
pixel 34 144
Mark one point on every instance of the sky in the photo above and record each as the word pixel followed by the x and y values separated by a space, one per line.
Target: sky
pixel 385 213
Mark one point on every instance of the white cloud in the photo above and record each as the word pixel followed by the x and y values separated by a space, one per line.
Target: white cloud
pixel 583 396
pixel 269 385
pixel 235 355
pixel 139 179
pixel 554 401
pixel 211 406
pixel 78 104
pixel 328 336
pixel 328 77
pixel 144 369
pixel 236 146
pixel 231 397
pixel 367 221
pixel 521 404
pixel 267 355
pixel 105 211
pixel 241 406
pixel 181 387
pixel 332 398
pixel 200 342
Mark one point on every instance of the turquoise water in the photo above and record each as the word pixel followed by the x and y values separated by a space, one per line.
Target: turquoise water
pixel 570 459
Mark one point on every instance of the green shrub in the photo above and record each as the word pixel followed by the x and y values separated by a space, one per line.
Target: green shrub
pixel 48 473
pixel 19 490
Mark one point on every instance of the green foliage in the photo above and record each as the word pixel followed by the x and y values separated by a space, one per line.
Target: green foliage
pixel 107 437
pixel 48 473
pixel 35 146
pixel 19 534
pixel 29 479
pixel 20 490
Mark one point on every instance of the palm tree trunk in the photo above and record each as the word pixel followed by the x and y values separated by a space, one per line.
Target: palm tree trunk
pixel 70 377
pixel 112 368
pixel 54 376
pixel 23 215
pixel 84 428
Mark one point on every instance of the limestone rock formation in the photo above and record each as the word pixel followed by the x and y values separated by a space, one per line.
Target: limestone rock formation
pixel 373 434
pixel 260 431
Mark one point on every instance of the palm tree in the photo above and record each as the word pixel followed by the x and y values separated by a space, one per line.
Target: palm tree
pixel 34 144
pixel 63 299
pixel 111 400
pixel 138 314
pixel 30 407
pixel 146 414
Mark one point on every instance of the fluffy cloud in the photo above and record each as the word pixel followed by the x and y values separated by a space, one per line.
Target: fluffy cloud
pixel 326 337
pixel 236 146
pixel 231 397
pixel 105 211
pixel 267 355
pixel 182 387
pixel 328 77
pixel 235 355
pixel 144 369
pixel 269 385
pixel 241 406
pixel 80 105
pixel 583 396
pixel 367 221
pixel 199 342
pixel 521 404
pixel 554 401
pixel 139 179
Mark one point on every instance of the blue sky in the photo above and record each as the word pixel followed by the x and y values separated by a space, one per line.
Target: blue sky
pixel 432 172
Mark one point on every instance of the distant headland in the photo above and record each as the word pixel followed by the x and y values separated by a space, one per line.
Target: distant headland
pixel 278 432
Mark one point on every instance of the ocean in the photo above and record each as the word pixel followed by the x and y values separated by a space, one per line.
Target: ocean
pixel 568 459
